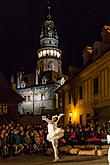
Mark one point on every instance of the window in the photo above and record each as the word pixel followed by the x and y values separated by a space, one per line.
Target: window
pixel 88 118
pixel 28 98
pixel 60 102
pixel 95 85
pixel 0 110
pixel 80 93
pixel 62 80
pixel 96 117
pixel 42 96
pixel 44 80
pixel 25 98
pixel 4 109
pixel 81 119
pixel 69 98
pixel 50 95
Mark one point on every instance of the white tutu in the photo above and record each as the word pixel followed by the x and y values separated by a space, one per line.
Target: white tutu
pixel 108 139
pixel 54 132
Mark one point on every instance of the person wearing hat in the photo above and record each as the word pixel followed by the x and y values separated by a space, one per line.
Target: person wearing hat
pixel 54 132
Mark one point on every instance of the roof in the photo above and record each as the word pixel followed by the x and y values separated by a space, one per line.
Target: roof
pixel 3 81
pixel 81 69
pixel 52 77
pixel 7 95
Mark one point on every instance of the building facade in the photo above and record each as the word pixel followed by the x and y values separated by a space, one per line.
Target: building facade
pixel 9 101
pixel 38 89
pixel 85 97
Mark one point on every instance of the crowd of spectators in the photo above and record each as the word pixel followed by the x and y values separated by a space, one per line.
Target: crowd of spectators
pixel 16 139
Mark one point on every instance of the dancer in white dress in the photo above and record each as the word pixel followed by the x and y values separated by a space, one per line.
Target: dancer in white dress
pixel 54 133
pixel 108 141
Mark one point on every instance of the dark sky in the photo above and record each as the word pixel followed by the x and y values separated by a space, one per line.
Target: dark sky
pixel 78 24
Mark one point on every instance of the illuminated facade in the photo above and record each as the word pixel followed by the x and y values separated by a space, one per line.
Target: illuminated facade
pixel 38 89
pixel 85 97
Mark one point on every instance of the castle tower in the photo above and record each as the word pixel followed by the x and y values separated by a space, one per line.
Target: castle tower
pixel 49 55
pixel 39 91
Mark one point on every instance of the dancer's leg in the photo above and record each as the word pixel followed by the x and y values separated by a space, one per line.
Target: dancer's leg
pixel 55 145
pixel 109 155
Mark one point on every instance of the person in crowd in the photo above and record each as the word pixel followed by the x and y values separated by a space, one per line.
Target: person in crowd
pixel 28 141
pixel 36 142
pixel 3 144
pixel 26 147
pixel 72 137
pixel 67 134
pixel 42 141
pixel 80 136
pixel 18 146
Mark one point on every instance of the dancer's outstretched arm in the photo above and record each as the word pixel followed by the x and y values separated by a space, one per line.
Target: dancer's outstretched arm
pixel 46 119
pixel 61 114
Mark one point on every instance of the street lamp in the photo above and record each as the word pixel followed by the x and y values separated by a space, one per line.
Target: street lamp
pixel 33 99
pixel 70 114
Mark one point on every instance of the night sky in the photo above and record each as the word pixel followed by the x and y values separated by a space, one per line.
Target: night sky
pixel 78 23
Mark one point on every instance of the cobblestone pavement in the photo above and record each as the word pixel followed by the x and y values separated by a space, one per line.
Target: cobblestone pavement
pixel 41 159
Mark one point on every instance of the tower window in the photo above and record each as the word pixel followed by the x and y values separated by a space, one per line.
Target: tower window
pixel 44 80
pixel 50 34
pixel 42 96
pixel 62 81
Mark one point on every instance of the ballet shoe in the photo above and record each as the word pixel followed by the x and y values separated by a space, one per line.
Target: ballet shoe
pixel 56 159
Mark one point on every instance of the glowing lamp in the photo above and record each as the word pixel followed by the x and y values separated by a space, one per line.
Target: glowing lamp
pixel 70 114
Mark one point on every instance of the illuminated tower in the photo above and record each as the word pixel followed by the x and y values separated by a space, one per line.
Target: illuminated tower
pixel 39 91
pixel 49 55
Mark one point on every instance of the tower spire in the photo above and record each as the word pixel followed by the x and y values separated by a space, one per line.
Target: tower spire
pixel 49 16
pixel 48 7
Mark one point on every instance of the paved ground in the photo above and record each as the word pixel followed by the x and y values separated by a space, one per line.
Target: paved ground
pixel 42 159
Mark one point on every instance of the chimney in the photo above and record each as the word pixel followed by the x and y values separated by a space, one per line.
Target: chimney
pixel 72 71
pixel 87 54
pixel 106 34
pixel 13 84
